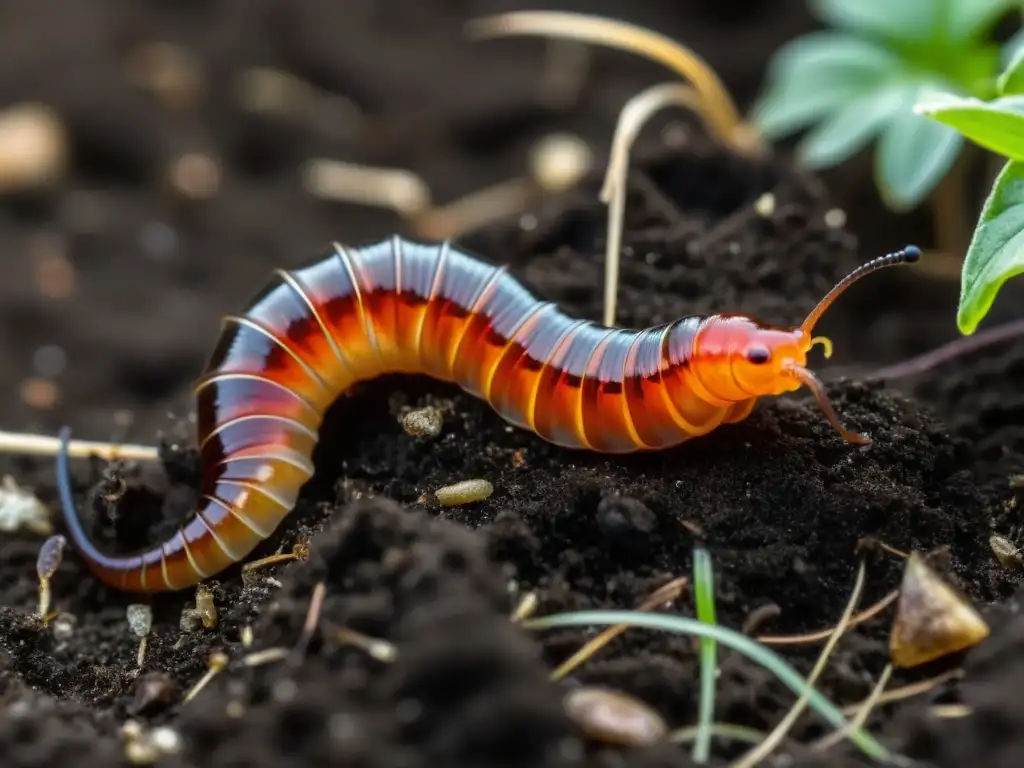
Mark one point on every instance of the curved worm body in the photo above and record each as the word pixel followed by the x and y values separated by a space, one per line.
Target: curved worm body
pixel 402 307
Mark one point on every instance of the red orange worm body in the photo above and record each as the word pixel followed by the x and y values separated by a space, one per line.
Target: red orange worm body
pixel 402 307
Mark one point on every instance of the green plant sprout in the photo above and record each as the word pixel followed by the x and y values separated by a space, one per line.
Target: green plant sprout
pixel 859 80
pixel 996 250
pixel 740 643
pixel 704 596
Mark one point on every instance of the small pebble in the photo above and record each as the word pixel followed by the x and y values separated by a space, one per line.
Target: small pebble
pixel 195 176
pixel 614 717
pixel 764 206
pixel 33 147
pixel 835 218
pixel 190 620
pixel 140 618
pixel 619 516
pixel 153 692
pixel 423 422
pixel 559 161
pixel 63 627
pixel 1006 553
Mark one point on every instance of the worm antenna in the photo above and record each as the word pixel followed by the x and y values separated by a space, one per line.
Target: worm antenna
pixel 812 382
pixel 908 255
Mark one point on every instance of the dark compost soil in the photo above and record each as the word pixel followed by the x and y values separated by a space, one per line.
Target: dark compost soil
pixel 780 500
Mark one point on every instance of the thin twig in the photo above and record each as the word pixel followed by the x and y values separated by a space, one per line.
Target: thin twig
pixel 829 740
pixel 964 345
pixel 316 606
pixel 908 691
pixel 661 596
pixel 43 445
pixel 762 750
pixel 816 637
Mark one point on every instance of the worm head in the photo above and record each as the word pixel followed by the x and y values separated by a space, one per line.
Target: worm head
pixel 773 361
pixel 765 360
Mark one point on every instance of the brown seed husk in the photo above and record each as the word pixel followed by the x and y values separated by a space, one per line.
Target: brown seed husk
pixel 932 619
pixel 614 717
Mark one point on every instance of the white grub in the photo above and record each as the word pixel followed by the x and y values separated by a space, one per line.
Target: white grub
pixel 423 422
pixel 464 492
pixel 20 510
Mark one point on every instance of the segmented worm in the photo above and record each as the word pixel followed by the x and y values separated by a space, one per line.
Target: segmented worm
pixel 402 307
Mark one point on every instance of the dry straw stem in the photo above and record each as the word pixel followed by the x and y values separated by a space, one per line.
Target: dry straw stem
pixel 932 619
pixel 42 445
pixel 763 749
pixel 632 119
pixel 907 691
pixel 664 595
pixel 814 637
pixel 398 189
pixel 718 105
pixel 831 739
pixel 556 163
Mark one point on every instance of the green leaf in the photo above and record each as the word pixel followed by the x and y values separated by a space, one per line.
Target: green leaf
pixel 850 128
pixel 914 153
pixel 1011 80
pixel 899 19
pixel 996 125
pixel 969 19
pixel 1011 47
pixel 996 253
pixel 816 74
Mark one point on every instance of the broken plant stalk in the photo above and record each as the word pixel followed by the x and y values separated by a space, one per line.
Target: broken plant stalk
pixel 632 119
pixel 718 105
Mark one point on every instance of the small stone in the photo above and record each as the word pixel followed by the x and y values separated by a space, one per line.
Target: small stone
pixel 622 516
pixel 153 692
